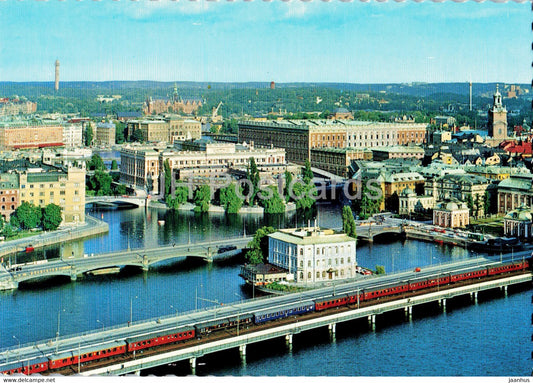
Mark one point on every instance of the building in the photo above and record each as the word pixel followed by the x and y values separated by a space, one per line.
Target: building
pixel 515 191
pixel 126 116
pixel 72 135
pixel 105 134
pixel 168 130
pixel 9 194
pixel 173 104
pixel 409 202
pixel 463 187
pixel 341 114
pixel 388 152
pixel 209 162
pixel 25 135
pixel 263 274
pixel 16 106
pixel 337 160
pixel 497 124
pixel 41 185
pixel 451 213
pixel 518 223
pixel 298 137
pixel 313 255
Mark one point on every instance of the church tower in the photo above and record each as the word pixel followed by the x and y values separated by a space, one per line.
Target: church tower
pixel 497 118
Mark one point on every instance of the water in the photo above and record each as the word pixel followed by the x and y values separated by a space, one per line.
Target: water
pixel 491 338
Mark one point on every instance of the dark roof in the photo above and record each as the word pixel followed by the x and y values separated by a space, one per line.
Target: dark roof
pixel 128 114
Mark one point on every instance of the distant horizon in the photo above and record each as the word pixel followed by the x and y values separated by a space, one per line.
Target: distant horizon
pixel 285 42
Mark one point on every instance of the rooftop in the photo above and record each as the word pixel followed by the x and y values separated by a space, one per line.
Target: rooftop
pixel 310 236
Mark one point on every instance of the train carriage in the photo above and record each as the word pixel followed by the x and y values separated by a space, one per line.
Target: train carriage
pixel 424 283
pixel 393 289
pixel 284 311
pixel 471 274
pixel 211 325
pixel 62 360
pixel 242 319
pixel 159 338
pixel 34 366
pixel 509 267
pixel 102 350
pixel 10 368
pixel 332 301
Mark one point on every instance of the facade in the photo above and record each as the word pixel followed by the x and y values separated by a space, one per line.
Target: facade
pixel 518 223
pixel 312 255
pixel 174 104
pixel 72 135
pixel 26 135
pixel 409 202
pixel 22 181
pixel 169 130
pixel 263 274
pixel 105 134
pixel 459 186
pixel 497 118
pixel 141 166
pixel 337 160
pixel 9 194
pixel 515 191
pixel 451 213
pixel 388 152
pixel 341 114
pixel 15 107
pixel 298 137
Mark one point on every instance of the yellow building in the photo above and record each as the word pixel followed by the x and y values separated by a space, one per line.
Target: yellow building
pixel 61 186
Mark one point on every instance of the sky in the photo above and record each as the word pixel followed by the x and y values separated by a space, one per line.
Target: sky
pixel 242 41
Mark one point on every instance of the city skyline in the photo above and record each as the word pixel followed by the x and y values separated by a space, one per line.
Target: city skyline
pixel 262 41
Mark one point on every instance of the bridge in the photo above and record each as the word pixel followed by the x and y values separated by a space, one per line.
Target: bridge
pixel 368 231
pixel 142 258
pixel 239 337
pixel 116 201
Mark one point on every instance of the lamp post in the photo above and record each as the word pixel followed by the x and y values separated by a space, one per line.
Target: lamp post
pixel 175 309
pixel 131 310
pixel 101 324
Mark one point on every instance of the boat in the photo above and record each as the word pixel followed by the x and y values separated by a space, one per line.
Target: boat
pixel 161 222
pixel 107 270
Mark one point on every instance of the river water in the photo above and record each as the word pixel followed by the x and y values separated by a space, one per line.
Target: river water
pixel 488 338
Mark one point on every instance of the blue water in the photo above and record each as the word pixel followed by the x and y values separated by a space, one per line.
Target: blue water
pixel 491 338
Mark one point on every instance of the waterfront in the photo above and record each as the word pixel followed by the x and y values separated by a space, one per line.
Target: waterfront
pixel 108 300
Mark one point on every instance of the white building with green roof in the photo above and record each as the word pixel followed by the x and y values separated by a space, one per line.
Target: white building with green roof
pixel 313 255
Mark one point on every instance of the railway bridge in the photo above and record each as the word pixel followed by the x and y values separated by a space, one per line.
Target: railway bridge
pixel 239 338
pixel 142 258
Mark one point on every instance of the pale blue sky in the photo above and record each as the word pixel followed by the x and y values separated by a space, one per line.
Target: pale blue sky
pixel 262 41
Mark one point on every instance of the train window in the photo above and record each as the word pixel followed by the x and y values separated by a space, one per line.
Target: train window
pixel 64 361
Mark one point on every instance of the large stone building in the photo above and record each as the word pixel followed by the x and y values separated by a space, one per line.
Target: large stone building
pixel 451 213
pixel 312 255
pixel 16 106
pixel 172 104
pixel 168 130
pixel 141 166
pixel 518 223
pixel 389 152
pixel 298 137
pixel 24 135
pixel 515 191
pixel 22 181
pixel 337 160
pixel 105 134
pixel 72 135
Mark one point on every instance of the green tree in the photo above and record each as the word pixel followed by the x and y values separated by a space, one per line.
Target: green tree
pixel 96 163
pixel 8 230
pixel 202 197
pixel 304 195
pixel 114 165
pixel 370 202
pixel 380 269
pixel 182 194
pixel 307 173
pixel 119 132
pixel 100 183
pixel 348 222
pixel 470 204
pixel 258 247
pixel 137 136
pixel 486 203
pixel 51 217
pixel 89 135
pixel 168 178
pixel 477 205
pixel 273 203
pixel 229 199
pixel 27 216
pixel 252 174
